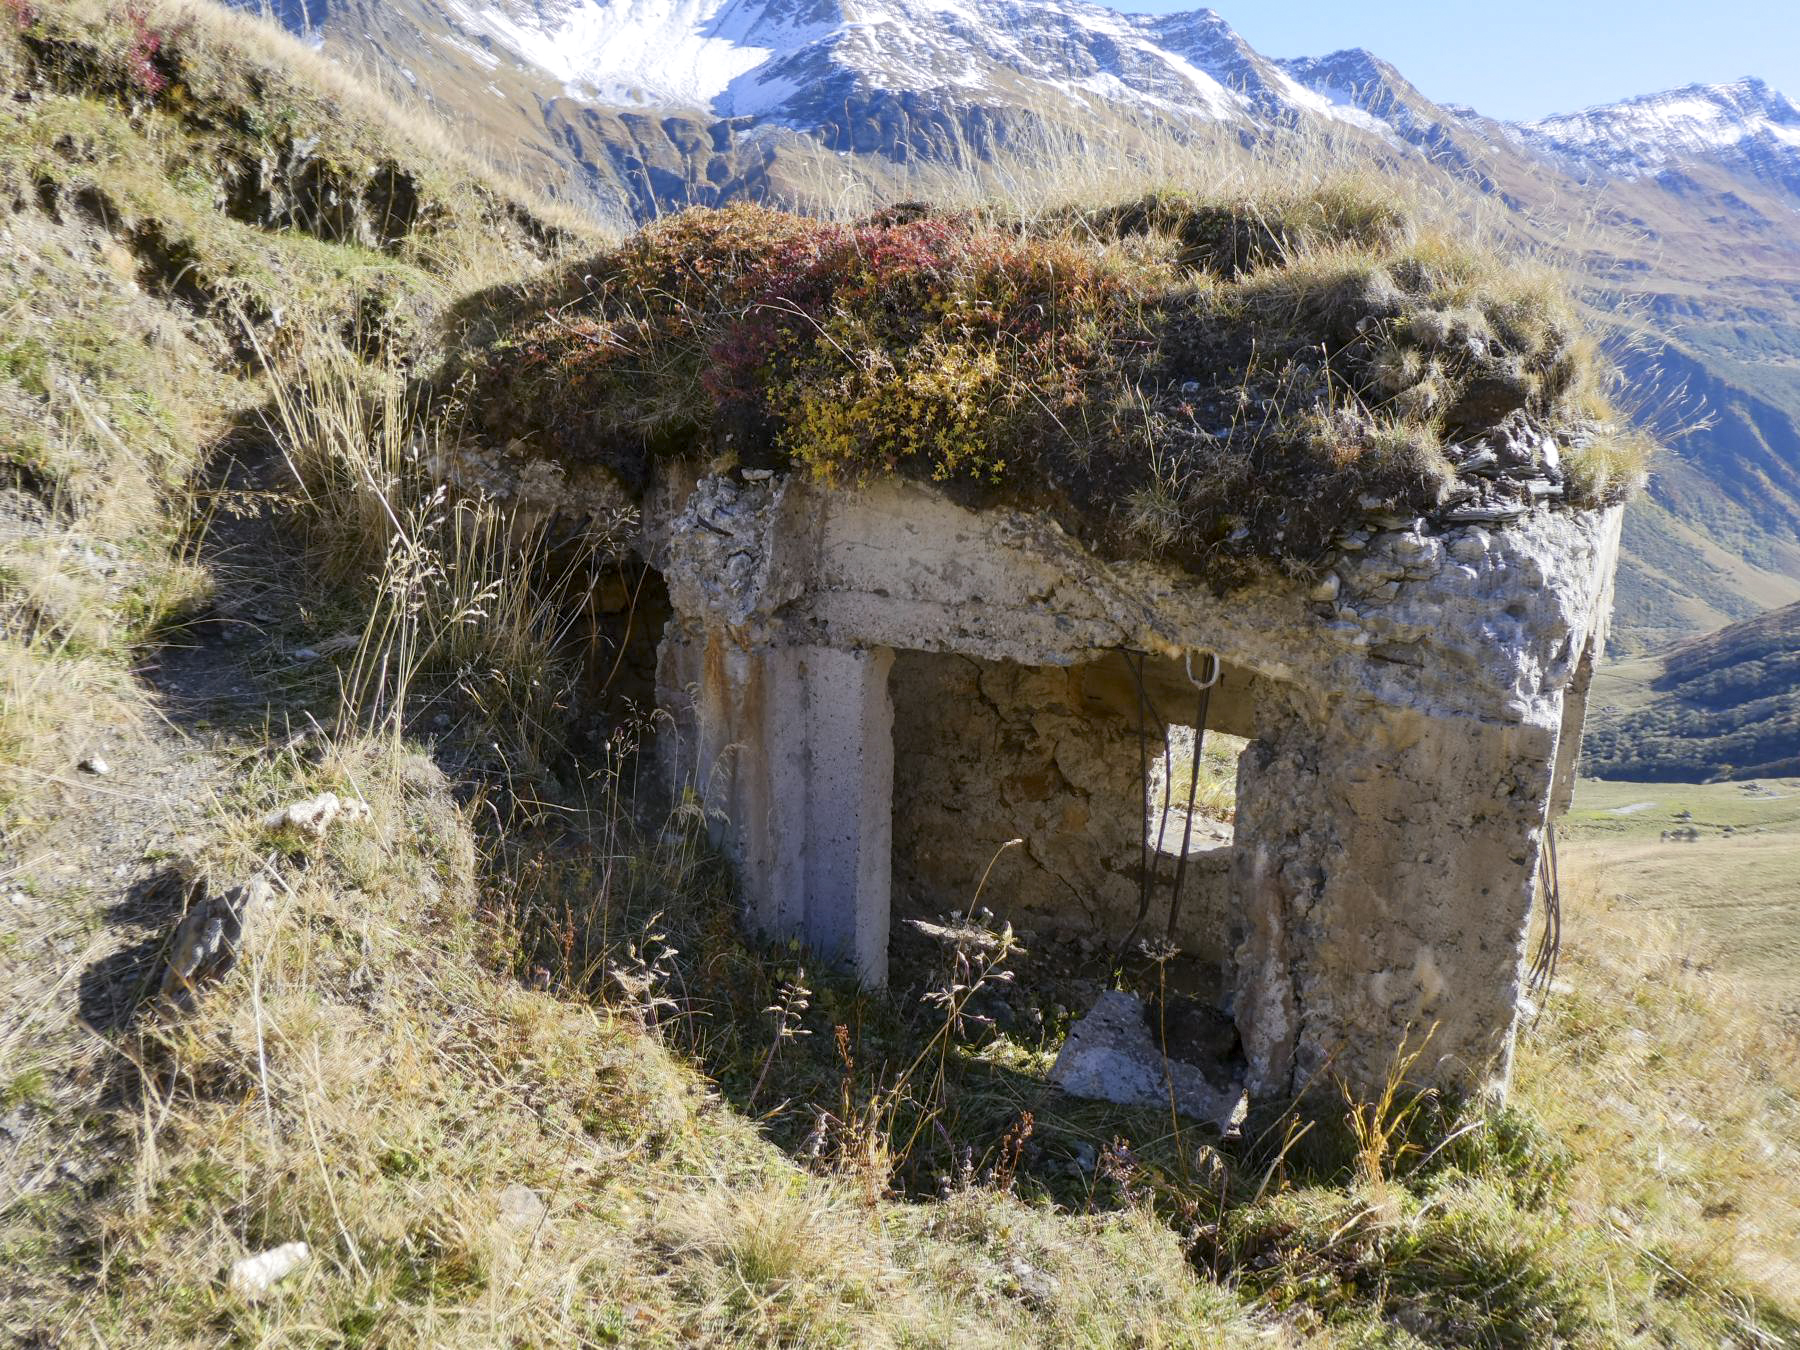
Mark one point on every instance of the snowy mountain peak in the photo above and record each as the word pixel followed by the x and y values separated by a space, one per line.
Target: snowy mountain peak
pixel 676 53
pixel 784 60
pixel 1746 122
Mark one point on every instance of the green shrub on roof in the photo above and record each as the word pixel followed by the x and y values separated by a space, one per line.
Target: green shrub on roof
pixel 1224 383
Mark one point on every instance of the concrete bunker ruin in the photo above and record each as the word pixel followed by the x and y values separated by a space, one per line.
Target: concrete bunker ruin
pixel 872 690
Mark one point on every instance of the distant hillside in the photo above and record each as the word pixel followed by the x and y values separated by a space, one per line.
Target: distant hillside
pixel 1725 705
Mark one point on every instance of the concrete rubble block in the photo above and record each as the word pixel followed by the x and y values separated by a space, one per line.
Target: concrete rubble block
pixel 1111 1056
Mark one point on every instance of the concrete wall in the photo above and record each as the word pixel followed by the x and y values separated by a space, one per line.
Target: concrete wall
pixel 1408 709
pixel 1385 871
pixel 987 751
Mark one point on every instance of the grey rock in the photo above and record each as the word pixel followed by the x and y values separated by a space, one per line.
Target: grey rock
pixel 314 815
pixel 95 765
pixel 1484 515
pixel 209 939
pixel 1111 1056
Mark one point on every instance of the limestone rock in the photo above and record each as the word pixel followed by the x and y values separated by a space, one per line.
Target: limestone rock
pixel 254 1276
pixel 1111 1056
pixel 313 816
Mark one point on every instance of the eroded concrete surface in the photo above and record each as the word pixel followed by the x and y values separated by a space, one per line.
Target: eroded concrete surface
pixel 874 690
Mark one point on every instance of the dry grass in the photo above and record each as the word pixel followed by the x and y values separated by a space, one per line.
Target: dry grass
pixel 478 1158
pixel 1215 785
pixel 373 1083
pixel 468 610
pixel 148 294
pixel 1687 1118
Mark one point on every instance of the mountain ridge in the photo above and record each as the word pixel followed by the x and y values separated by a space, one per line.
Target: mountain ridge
pixel 1724 705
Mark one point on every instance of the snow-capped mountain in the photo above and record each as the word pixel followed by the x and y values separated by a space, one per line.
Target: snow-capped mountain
pixel 1746 124
pixel 780 59
pixel 599 81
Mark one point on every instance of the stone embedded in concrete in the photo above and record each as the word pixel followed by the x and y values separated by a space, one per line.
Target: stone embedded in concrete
pixel 1413 736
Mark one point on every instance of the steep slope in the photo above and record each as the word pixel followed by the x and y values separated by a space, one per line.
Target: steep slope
pixel 1682 211
pixel 1684 208
pixel 460 1068
pixel 1724 705
pixel 181 210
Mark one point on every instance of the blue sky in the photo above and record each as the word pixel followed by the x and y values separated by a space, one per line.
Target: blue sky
pixel 1518 59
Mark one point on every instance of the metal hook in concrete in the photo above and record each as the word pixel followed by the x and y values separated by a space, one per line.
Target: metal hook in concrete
pixel 1218 669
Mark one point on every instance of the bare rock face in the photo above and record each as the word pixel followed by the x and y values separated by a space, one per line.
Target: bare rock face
pixel 209 939
pixel 1112 1056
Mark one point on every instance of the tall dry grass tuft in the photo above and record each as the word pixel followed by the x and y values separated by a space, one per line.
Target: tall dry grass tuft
pixel 467 605
pixel 1681 1095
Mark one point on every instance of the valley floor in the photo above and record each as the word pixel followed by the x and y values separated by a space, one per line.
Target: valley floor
pixel 1719 863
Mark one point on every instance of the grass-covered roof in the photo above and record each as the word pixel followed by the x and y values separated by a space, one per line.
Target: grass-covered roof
pixel 1219 382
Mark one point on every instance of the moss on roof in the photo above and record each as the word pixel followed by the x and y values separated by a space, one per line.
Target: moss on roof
pixel 1224 383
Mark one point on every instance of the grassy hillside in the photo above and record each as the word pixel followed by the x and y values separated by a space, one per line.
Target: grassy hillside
pixel 188 199
pixel 1725 705
pixel 493 1047
pixel 1731 887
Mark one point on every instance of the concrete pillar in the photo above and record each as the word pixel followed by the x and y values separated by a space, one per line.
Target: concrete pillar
pixel 848 866
pixel 1384 868
pixel 791 751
